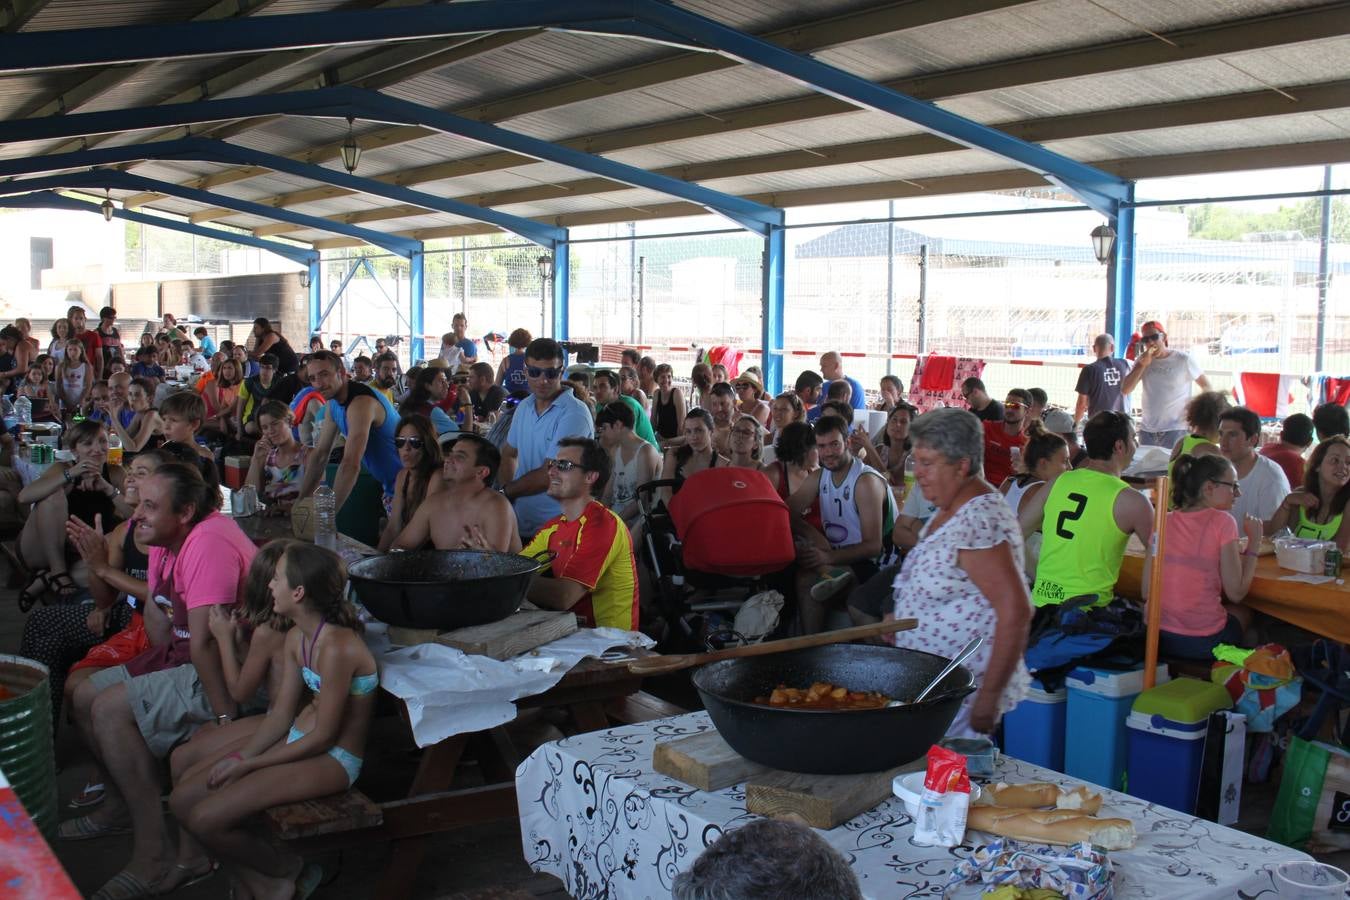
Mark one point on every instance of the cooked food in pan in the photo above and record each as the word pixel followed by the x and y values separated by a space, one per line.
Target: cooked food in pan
pixel 823 695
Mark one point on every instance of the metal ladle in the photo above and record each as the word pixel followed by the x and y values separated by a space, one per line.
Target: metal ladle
pixel 961 657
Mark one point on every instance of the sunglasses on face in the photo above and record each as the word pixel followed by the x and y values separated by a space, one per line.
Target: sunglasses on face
pixel 413 442
pixel 1012 404
pixel 1150 338
pixel 536 372
pixel 562 465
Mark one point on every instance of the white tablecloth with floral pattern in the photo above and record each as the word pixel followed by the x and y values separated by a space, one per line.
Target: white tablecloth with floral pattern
pixel 593 813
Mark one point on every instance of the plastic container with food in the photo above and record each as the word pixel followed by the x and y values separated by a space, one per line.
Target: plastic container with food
pixel 1302 554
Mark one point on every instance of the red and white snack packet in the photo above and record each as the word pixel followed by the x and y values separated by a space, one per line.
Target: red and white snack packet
pixel 941 821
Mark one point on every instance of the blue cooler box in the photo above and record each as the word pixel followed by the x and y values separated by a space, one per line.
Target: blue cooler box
pixel 1095 734
pixel 1034 730
pixel 1167 740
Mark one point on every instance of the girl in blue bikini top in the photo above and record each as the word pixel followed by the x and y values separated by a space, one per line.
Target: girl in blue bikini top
pixel 311 741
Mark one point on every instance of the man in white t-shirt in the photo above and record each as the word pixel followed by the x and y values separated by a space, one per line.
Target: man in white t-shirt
pixel 1166 375
pixel 1262 484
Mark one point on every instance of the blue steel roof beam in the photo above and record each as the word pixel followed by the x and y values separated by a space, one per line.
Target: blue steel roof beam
pixel 323 103
pixel 52 200
pixel 748 214
pixel 45 50
pixel 125 181
pixel 348 101
pixel 202 149
pixel 1100 190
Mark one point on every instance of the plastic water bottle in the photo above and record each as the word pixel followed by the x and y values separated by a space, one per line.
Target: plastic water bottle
pixel 325 517
pixel 23 409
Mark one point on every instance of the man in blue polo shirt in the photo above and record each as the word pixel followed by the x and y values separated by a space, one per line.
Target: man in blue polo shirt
pixel 552 412
pixel 832 367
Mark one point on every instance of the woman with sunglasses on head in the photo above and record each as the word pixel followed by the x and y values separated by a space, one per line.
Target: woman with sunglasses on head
pixel 278 463
pixel 420 454
pixel 1204 564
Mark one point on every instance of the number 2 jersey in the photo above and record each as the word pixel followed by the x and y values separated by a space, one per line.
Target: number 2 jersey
pixel 1082 545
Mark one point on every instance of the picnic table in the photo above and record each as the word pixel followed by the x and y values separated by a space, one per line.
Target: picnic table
pixel 1319 608
pixel 594 813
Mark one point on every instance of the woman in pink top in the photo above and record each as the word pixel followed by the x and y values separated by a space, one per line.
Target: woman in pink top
pixel 1204 562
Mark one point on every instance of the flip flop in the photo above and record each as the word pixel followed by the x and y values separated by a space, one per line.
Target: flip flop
pixel 307 882
pixel 191 878
pixel 92 795
pixel 125 886
pixel 85 828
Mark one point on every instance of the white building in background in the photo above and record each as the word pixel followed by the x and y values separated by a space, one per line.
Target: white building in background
pixel 48 256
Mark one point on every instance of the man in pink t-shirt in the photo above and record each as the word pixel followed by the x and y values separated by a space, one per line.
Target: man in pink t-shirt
pixel 135 714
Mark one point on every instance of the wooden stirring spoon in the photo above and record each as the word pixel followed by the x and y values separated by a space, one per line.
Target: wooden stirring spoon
pixel 660 665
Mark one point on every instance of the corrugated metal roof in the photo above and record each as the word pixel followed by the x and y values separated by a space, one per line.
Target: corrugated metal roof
pixel 699 116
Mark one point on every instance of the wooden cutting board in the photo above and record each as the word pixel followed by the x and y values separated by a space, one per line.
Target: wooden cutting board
pixel 512 636
pixel 821 801
pixel 705 761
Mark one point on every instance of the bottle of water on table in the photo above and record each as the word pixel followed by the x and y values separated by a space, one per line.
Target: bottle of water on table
pixel 23 410
pixel 325 517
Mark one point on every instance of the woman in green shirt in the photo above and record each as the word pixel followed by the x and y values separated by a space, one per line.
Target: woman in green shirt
pixel 1318 509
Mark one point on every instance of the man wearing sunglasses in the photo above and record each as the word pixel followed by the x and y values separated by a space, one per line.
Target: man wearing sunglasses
pixel 551 412
pixel 1003 441
pixel 366 420
pixel 594 574
pixel 1166 375
pixel 466 513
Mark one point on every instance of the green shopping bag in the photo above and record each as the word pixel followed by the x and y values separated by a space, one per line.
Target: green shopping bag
pixel 1296 817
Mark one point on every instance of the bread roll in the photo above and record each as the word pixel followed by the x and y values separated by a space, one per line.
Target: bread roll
pixel 1039 794
pixel 1052 826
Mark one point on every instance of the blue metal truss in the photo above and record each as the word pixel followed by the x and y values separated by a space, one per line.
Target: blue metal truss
pixel 125 181
pixel 345 102
pixel 644 19
pixel 207 150
pixel 52 200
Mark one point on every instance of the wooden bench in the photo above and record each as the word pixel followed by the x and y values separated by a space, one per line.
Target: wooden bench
pixel 334 814
pixel 641 707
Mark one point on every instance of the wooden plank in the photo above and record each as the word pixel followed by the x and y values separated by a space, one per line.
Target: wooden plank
pixel 821 801
pixel 516 634
pixel 704 761
pixel 641 707
pixel 512 636
pixel 348 811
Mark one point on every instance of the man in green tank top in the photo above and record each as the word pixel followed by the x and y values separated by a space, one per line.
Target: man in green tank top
pixel 1086 517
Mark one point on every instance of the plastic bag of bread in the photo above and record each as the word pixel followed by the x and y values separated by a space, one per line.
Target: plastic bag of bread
pixel 1052 826
pixel 1081 872
pixel 1042 795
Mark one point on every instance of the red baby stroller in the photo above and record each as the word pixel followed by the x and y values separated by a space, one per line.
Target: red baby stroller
pixel 711 547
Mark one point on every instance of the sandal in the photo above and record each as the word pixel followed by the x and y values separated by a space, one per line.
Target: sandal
pixel 64 587
pixel 92 795
pixel 125 886
pixel 308 881
pixel 189 874
pixel 85 828
pixel 38 586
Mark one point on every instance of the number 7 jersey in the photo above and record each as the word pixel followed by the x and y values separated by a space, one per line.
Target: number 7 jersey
pixel 1082 545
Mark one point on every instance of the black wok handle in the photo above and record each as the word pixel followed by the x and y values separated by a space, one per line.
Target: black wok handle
pixel 543 559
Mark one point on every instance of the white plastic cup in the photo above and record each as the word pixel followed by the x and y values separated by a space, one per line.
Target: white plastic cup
pixel 1308 880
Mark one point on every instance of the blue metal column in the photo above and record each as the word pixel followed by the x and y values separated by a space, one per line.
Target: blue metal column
pixel 1121 276
pixel 315 297
pixel 771 319
pixel 416 296
pixel 561 297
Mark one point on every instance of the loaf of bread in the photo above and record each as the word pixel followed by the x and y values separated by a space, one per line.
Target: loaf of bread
pixel 1052 826
pixel 1039 794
